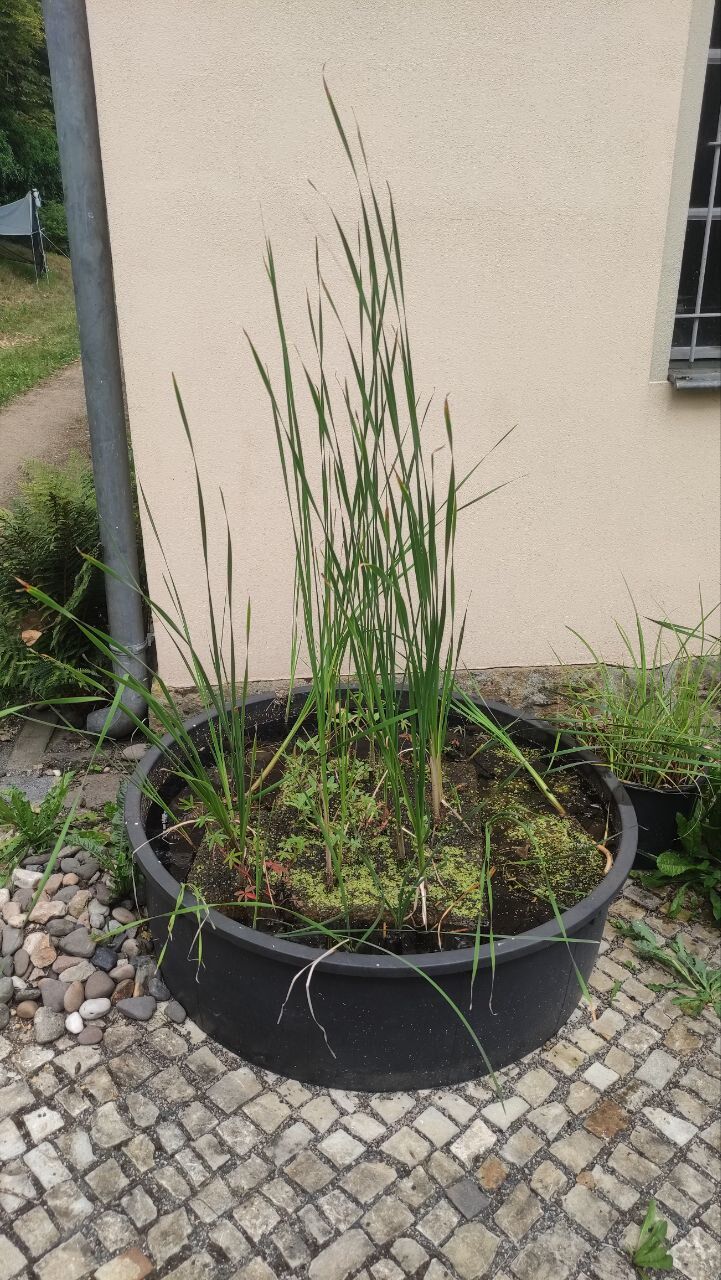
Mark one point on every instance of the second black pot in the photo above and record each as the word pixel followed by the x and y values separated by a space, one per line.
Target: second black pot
pixel 656 809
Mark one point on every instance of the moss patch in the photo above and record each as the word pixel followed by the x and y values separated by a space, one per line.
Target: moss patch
pixel 498 831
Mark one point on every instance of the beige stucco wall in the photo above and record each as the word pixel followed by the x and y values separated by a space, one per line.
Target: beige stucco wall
pixel 540 178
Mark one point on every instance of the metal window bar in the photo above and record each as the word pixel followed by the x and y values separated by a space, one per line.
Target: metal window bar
pixel 707 236
pixel 707 214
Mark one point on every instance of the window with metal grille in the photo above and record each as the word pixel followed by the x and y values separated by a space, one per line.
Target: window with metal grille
pixel 697 327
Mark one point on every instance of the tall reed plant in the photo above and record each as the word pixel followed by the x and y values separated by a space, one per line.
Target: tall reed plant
pixel 374 525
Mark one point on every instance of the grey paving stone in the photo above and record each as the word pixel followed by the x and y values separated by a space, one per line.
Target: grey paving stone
pixel 114 1230
pixel 339 1209
pixel 368 1179
pixel 15 1097
pixel 168 1236
pixel 213 1199
pixel 436 1225
pixel 416 1188
pixel 630 1164
pixel 697 1255
pixel 321 1114
pixel 12 1261
pixel 315 1226
pixel 471 1250
pixel 68 1261
pixel 652 1146
pixel 205 1064
pixel 392 1107
pixel 618 1192
pixel 197 1119
pixel 292 1141
pixel 519 1211
pixel 504 1113
pixel 292 1247
pixel 444 1168
pixel 577 1150
pixel 107 1181
pixel 69 1204
pixel 552 1255
pixel 409 1255
pixel 200 1267
pixel 658 1068
pixel 457 1107
pixel 139 1207
pixel 437 1271
pixel 386 1270
pixel 521 1147
pixel 589 1211
pixel 256 1269
pixel 141 1151
pixel 341 1148
pixel 36 1231
pixel 671 1126
pixel 170 1180
pixel 611 1265
pixel 406 1146
pixel 386 1220
pixel 234 1088
pixel 550 1119
pixel 43 1162
pixel 363 1126
pixel 267 1111
pixel 226 1237
pixel 341 1258
pixel 214 1155
pixel 473 1142
pixel 309 1171
pixel 536 1086
pixel 108 1129
pixel 256 1216
pixel 467 1196
pixel 436 1127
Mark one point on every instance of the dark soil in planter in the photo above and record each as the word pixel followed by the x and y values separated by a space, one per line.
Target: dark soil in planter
pixel 535 856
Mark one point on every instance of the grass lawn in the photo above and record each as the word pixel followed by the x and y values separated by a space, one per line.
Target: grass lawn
pixel 38 331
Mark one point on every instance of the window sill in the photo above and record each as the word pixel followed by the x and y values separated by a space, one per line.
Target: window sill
pixel 703 375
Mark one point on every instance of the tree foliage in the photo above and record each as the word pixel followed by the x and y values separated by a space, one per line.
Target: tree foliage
pixel 28 144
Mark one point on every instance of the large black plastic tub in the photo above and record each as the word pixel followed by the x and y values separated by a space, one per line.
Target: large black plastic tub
pixel 388 1027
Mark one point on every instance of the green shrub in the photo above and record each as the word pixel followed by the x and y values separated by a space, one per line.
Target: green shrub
pixel 694 870
pixel 27 828
pixel 656 719
pixel 42 538
pixel 651 1252
pixel 55 224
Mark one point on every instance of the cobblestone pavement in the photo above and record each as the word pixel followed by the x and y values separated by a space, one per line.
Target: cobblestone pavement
pixel 158 1153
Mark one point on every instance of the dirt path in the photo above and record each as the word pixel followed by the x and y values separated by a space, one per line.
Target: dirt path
pixel 46 422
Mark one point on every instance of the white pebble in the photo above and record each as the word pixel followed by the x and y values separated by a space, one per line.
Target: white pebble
pixel 74 1024
pixel 24 878
pixel 97 1008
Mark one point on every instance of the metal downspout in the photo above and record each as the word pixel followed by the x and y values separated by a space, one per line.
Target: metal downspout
pixel 71 73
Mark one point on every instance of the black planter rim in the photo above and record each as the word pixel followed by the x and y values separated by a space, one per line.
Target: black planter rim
pixel 436 964
pixel 688 788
